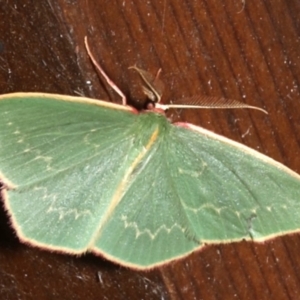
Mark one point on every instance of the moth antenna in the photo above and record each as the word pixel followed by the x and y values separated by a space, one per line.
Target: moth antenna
pixel 99 68
pixel 207 102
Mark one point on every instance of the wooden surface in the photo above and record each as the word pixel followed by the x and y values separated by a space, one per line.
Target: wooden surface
pixel 245 50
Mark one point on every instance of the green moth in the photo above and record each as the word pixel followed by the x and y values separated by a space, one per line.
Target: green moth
pixel 81 175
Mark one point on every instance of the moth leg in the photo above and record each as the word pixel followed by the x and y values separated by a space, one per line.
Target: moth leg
pixel 108 80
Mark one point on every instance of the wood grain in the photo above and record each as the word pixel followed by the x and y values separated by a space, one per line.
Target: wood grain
pixel 245 50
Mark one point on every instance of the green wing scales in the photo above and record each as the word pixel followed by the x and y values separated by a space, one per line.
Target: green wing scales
pixel 66 159
pixel 94 176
